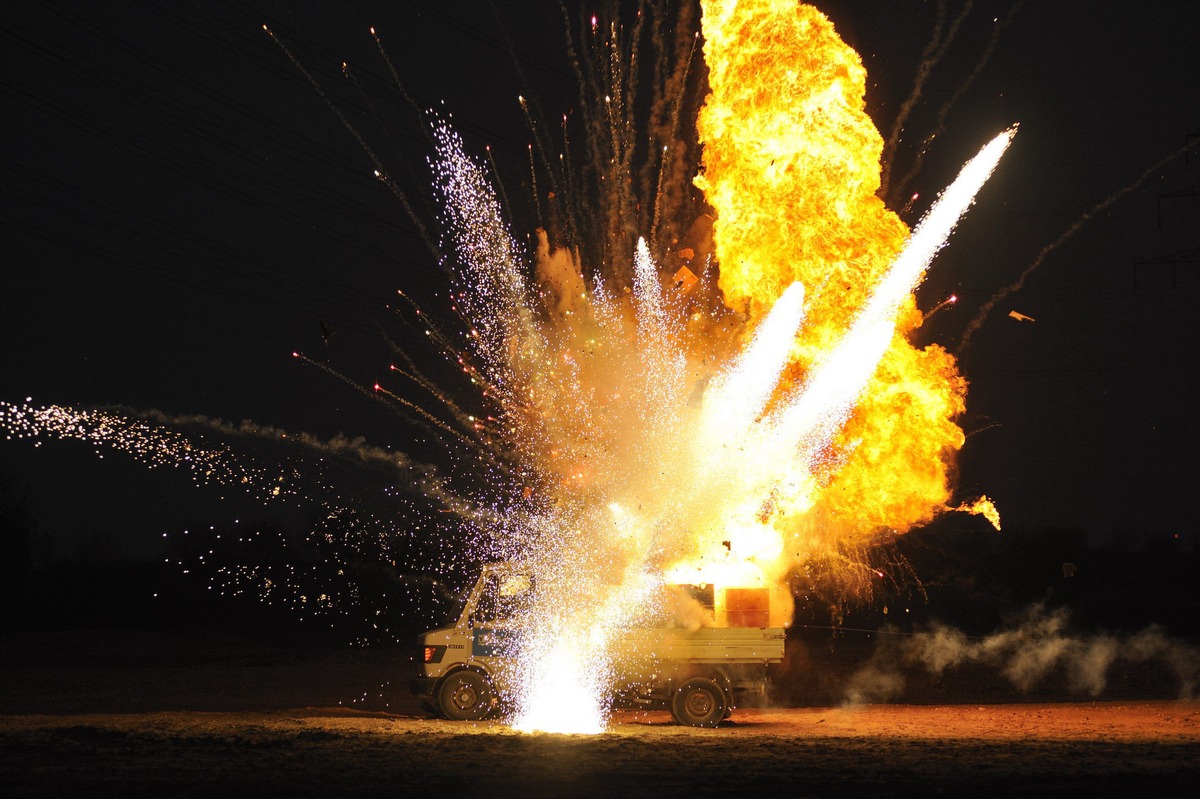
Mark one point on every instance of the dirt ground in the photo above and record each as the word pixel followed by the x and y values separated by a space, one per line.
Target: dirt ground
pixel 90 715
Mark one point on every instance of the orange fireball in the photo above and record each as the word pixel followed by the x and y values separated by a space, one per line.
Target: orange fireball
pixel 791 166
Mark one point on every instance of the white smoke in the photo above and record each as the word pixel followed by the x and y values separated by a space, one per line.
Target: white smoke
pixel 1042 644
pixel 339 445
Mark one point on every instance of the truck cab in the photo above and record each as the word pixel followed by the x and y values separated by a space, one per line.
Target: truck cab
pixel 466 668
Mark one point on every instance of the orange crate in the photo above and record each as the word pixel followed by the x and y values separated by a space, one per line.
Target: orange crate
pixel 747 607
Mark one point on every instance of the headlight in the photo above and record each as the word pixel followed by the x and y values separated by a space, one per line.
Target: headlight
pixel 434 654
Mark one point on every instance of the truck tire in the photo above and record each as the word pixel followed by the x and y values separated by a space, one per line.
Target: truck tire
pixel 466 696
pixel 699 702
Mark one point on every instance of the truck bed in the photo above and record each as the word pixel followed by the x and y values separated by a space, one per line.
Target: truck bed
pixel 705 645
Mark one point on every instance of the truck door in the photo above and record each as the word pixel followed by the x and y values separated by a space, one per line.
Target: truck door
pixel 504 598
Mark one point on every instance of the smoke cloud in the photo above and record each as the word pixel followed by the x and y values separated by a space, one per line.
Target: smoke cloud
pixel 1040 645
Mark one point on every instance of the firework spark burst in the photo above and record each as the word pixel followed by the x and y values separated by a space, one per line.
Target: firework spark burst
pixel 643 462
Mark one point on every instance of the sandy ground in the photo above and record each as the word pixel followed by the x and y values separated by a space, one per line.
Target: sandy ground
pixel 138 716
pixel 1094 748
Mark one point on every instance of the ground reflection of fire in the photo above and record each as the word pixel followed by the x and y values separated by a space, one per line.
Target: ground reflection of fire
pixel 669 441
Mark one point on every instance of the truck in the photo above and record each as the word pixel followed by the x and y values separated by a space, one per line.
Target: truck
pixel 699 672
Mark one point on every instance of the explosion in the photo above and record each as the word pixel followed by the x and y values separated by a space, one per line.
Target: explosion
pixel 785 128
pixel 727 411
pixel 665 442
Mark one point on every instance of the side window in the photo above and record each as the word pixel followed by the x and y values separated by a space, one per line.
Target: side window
pixel 503 596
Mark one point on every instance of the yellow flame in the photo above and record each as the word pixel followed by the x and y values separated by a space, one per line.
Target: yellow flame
pixel 791 166
pixel 982 507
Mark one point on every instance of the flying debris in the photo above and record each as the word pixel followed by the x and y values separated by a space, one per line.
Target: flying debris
pixel 327 332
pixel 1020 317
pixel 685 279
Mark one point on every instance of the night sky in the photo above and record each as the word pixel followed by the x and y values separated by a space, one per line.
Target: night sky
pixel 181 211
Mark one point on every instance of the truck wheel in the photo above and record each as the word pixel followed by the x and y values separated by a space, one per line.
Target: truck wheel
pixel 699 702
pixel 466 696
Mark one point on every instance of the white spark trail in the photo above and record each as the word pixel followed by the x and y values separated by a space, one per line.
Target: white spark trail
pixel 495 292
pixel 651 314
pixel 825 401
pixel 151 444
pixel 738 396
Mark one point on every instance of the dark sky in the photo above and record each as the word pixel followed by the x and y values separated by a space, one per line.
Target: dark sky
pixel 181 211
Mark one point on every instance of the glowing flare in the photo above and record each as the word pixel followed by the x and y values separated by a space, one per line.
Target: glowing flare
pixel 841 376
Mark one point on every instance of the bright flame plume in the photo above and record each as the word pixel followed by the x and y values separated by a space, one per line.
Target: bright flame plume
pixel 660 449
